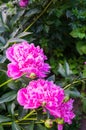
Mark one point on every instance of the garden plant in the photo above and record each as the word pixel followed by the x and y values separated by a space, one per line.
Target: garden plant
pixel 42 65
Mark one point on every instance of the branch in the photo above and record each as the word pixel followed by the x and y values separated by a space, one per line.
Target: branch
pixel 39 15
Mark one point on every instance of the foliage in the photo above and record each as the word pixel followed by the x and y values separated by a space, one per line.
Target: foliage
pixel 59 27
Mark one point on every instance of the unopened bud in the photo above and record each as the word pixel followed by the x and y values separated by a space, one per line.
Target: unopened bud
pixel 48 123
pixel 43 104
pixel 59 121
pixel 32 76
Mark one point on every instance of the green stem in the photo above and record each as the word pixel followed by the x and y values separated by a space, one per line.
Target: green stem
pixel 6 82
pixel 23 119
pixel 39 15
pixel 74 82
pixel 22 123
pixel 29 114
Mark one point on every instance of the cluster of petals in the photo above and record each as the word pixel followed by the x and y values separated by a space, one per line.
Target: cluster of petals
pixel 26 59
pixel 44 93
pixel 23 3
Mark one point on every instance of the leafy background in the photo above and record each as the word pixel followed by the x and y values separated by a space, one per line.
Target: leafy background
pixel 59 27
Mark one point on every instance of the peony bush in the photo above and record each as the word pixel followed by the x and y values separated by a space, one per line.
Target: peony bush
pixel 28 60
pixel 42 80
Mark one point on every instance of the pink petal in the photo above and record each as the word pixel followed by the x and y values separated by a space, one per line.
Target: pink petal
pixel 13 71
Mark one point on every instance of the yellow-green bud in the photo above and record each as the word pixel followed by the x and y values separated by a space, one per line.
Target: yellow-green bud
pixel 59 121
pixel 32 76
pixel 48 123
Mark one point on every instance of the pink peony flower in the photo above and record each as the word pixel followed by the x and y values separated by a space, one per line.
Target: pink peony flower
pixel 26 59
pixel 48 95
pixel 40 92
pixel 23 3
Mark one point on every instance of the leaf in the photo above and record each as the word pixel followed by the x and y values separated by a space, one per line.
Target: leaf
pixel 41 127
pixel 16 17
pixel 3 66
pixel 81 47
pixel 8 97
pixel 11 108
pixel 2 29
pixel 1 127
pixel 15 126
pixel 22 112
pixel 4 119
pixel 12 40
pixel 73 93
pixel 2 58
pixel 13 34
pixel 32 12
pixel 2 40
pixel 30 126
pixel 15 40
pixel 51 78
pixel 4 17
pixel 61 70
pixel 77 33
pixel 40 115
pixel 67 69
pixel 84 104
pixel 23 34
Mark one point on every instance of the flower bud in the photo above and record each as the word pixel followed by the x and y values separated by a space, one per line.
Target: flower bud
pixel 32 76
pixel 48 123
pixel 43 104
pixel 59 121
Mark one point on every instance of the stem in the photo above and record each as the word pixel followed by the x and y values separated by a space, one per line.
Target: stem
pixel 74 82
pixel 39 15
pixel 23 123
pixel 23 119
pixel 29 114
pixel 5 82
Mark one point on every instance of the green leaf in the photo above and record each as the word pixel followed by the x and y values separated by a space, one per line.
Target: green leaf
pixel 31 12
pixel 84 104
pixel 23 34
pixel 61 70
pixel 11 107
pixel 3 66
pixel 30 126
pixel 4 119
pixel 1 127
pixel 81 47
pixel 41 127
pixel 2 58
pixel 8 97
pixel 2 29
pixel 73 93
pixel 3 77
pixel 22 112
pixel 78 33
pixel 15 126
pixel 16 17
pixel 2 40
pixel 67 69
pixel 51 78
pixel 15 40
